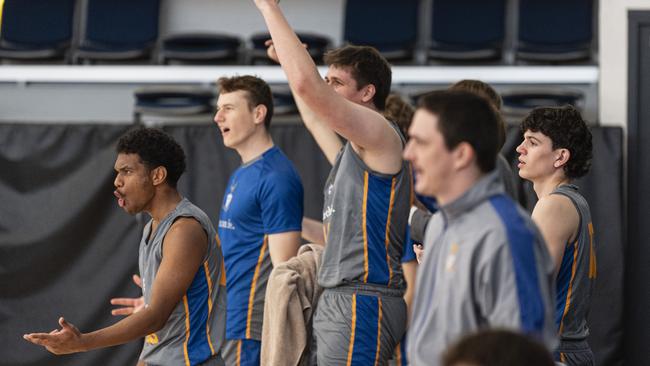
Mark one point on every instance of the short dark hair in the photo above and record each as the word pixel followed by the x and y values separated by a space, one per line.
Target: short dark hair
pixel 567 130
pixel 486 91
pixel 257 92
pixel 367 66
pixel 399 112
pixel 155 148
pixel 497 348
pixel 464 116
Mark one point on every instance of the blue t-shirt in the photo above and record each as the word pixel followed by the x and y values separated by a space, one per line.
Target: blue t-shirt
pixel 263 197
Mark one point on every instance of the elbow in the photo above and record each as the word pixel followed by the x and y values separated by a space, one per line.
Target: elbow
pixel 301 86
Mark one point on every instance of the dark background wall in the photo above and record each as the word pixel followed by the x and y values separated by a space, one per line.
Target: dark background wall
pixel 66 248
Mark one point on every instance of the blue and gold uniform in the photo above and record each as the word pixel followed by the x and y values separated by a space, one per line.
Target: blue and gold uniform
pixel 575 282
pixel 263 197
pixel 361 314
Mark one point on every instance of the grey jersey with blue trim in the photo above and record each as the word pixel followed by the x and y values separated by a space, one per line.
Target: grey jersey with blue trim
pixel 485 266
pixel 577 274
pixel 196 327
pixel 365 216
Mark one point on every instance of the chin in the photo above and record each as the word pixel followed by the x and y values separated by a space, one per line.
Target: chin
pixel 424 190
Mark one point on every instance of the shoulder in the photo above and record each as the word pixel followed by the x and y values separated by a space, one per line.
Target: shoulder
pixel 185 229
pixel 554 207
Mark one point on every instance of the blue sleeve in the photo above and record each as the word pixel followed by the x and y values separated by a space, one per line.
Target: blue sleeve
pixel 408 254
pixel 281 201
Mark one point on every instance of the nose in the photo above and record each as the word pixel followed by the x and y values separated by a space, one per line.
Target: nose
pixel 521 149
pixel 217 117
pixel 407 154
pixel 117 182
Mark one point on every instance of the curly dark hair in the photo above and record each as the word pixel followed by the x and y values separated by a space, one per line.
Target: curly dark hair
pixel 155 148
pixel 367 66
pixel 567 130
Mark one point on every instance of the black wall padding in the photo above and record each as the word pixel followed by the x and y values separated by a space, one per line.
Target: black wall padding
pixel 66 247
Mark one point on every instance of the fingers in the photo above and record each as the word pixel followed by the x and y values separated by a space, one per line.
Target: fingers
pixel 64 324
pixel 122 311
pixel 40 339
pixel 268 42
pixel 124 301
pixel 137 280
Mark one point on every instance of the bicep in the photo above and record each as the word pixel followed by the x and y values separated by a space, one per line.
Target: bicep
pixel 283 246
pixel 184 249
pixel 556 224
pixel 328 141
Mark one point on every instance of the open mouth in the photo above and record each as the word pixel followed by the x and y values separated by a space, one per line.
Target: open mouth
pixel 120 198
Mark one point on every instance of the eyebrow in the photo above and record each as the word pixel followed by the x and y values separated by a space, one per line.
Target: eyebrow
pixel 532 138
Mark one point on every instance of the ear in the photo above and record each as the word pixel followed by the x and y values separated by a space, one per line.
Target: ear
pixel 369 92
pixel 259 113
pixel 158 175
pixel 562 157
pixel 464 156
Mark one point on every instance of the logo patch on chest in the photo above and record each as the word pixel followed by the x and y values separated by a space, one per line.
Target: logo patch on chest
pixel 450 263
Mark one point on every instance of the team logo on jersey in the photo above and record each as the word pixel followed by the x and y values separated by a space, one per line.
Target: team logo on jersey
pixel 328 212
pixel 450 263
pixel 226 204
pixel 330 189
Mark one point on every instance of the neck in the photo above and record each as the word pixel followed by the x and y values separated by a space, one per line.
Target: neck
pixel 544 186
pixel 254 146
pixel 458 185
pixel 164 201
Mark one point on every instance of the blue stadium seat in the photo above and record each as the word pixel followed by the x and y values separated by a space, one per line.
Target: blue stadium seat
pixel 517 103
pixel 174 102
pixel 555 30
pixel 388 25
pixel 118 30
pixel 200 48
pixel 36 29
pixel 467 30
pixel 316 45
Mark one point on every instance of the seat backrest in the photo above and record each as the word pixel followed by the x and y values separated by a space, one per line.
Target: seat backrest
pixel 37 22
pixel 121 22
pixel 381 23
pixel 555 22
pixel 468 22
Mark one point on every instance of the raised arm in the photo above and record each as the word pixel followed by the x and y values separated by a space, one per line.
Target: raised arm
pixel 558 221
pixel 328 141
pixel 370 133
pixel 184 249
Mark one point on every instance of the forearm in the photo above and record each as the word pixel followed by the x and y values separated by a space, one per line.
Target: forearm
pixel 133 327
pixel 296 62
pixel 312 231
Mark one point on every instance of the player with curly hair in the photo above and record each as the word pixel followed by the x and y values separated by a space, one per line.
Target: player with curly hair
pixel 556 150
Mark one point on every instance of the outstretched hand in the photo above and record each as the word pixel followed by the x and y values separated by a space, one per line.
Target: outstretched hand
pixel 62 341
pixel 129 305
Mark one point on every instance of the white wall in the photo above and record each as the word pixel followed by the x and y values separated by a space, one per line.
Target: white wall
pixel 242 18
pixel 613 44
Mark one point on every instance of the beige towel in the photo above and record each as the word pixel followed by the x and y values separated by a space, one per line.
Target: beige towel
pixel 291 296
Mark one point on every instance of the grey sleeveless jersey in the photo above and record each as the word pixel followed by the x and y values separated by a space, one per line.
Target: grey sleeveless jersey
pixel 196 327
pixel 577 274
pixel 365 216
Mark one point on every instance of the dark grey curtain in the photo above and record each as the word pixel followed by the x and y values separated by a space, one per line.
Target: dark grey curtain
pixel 66 248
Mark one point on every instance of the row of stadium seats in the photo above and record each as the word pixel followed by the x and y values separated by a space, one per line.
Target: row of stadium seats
pixel 126 31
